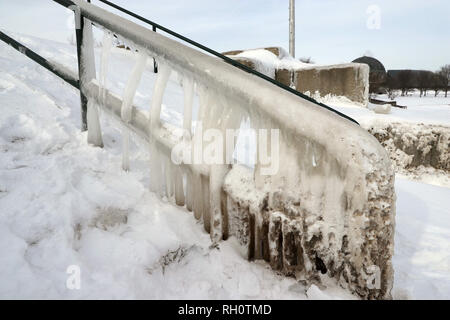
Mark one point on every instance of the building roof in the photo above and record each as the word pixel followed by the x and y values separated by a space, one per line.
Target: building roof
pixel 374 64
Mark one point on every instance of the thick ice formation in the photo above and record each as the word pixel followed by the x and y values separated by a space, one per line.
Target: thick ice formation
pixel 188 89
pixel 330 207
pixel 128 95
pixel 88 71
pixel 413 146
pixel 104 59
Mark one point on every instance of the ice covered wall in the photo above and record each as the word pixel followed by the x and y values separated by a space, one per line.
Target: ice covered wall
pixel 350 80
pixel 411 145
pixel 328 209
pixel 320 215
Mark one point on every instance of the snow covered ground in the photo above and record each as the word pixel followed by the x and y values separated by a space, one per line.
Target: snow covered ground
pixel 65 203
pixel 426 110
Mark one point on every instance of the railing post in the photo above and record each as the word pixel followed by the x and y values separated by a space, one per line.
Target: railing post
pixel 86 72
pixel 79 26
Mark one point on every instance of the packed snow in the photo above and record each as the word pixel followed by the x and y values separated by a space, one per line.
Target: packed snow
pixel 427 110
pixel 64 202
pixel 267 62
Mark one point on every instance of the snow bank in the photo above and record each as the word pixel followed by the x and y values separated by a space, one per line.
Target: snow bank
pixel 411 146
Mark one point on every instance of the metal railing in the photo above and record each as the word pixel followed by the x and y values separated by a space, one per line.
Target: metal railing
pixel 228 60
pixel 52 67
pixel 155 26
pixel 344 174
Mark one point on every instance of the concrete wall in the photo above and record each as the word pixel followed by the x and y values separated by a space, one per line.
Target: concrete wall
pixel 350 80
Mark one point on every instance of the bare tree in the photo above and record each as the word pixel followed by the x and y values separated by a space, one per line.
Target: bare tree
pixel 436 86
pixel 405 80
pixel 392 85
pixel 445 73
pixel 424 81
pixel 439 83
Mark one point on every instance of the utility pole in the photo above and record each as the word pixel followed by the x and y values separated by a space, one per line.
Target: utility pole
pixel 292 28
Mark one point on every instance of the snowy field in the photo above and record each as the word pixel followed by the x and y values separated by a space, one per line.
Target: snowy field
pixel 55 192
pixel 426 110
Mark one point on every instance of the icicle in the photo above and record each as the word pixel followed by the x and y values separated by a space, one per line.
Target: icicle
pixel 130 89
pixel 88 63
pixel 189 190
pixel 158 92
pixel 197 155
pixel 177 175
pixel 93 122
pixel 188 87
pixel 206 204
pixel 198 196
pixel 222 116
pixel 106 50
pixel 127 104
pixel 217 113
pixel 214 120
pixel 275 245
pixel 216 177
pixel 88 67
pixel 169 168
pixel 156 176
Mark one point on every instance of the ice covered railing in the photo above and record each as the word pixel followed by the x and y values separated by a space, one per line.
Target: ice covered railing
pixel 327 212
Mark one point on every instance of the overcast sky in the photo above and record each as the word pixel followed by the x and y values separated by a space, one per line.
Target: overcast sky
pixel 400 33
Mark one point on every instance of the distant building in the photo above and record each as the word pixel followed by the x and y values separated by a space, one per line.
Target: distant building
pixel 377 75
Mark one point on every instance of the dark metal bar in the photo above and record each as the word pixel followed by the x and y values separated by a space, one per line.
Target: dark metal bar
pixel 225 58
pixel 38 59
pixel 155 65
pixel 79 27
pixel 65 3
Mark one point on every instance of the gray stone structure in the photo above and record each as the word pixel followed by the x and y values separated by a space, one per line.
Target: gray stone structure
pixel 350 80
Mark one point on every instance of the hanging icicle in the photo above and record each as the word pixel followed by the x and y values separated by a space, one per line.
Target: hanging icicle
pixel 88 66
pixel 156 158
pixel 127 103
pixel 104 58
pixel 188 88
